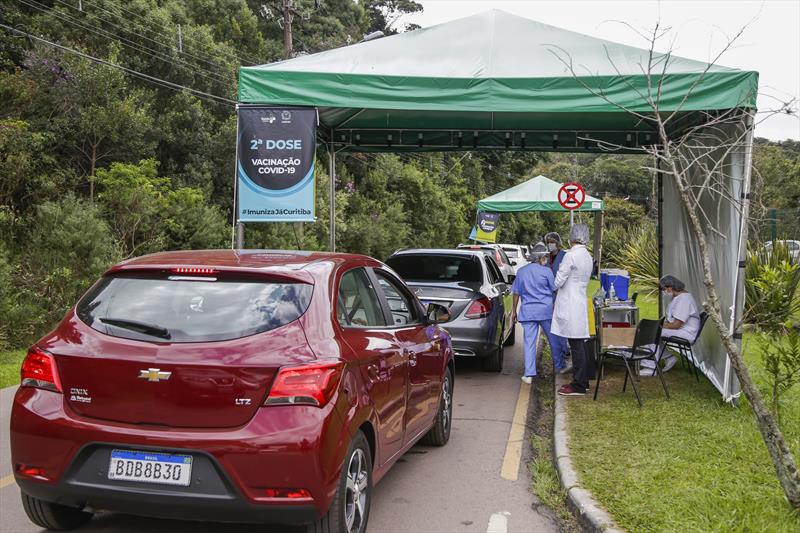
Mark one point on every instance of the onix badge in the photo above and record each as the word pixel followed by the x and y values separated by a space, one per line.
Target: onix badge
pixel 154 374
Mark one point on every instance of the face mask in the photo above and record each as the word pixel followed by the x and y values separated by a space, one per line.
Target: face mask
pixel 552 246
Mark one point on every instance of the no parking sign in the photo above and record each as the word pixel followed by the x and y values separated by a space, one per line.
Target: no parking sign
pixel 571 196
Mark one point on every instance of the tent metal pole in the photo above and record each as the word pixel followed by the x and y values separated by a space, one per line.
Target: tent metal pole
pixel 598 239
pixel 332 184
pixel 745 162
pixel 660 231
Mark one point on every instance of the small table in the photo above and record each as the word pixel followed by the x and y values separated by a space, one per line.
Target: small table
pixel 620 312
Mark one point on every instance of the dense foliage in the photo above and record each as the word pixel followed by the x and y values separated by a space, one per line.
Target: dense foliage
pixel 98 164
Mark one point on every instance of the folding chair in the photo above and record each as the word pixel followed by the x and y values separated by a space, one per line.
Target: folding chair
pixel 684 347
pixel 648 333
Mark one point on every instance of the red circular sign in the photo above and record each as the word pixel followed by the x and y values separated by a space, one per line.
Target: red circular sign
pixel 571 196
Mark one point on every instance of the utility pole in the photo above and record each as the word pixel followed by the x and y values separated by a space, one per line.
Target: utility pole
pixel 180 40
pixel 287 11
pixel 283 12
pixel 288 18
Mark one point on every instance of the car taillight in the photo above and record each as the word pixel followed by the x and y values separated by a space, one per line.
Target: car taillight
pixel 479 308
pixel 39 370
pixel 308 384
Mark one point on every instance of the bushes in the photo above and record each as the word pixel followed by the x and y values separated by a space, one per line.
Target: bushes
pixel 639 256
pixel 771 284
pixel 61 249
pixel 51 256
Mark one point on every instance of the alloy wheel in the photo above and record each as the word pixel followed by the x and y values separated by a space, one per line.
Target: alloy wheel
pixel 356 489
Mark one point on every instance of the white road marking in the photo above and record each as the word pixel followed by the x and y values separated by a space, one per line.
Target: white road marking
pixel 498 522
pixel 6 481
pixel 513 456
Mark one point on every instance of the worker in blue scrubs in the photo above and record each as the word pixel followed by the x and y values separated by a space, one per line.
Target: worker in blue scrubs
pixel 533 290
pixel 559 346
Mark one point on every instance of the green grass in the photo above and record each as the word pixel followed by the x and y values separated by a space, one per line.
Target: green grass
pixel 544 478
pixel 10 362
pixel 691 463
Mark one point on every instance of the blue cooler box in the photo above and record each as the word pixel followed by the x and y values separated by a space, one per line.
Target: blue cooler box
pixel 619 278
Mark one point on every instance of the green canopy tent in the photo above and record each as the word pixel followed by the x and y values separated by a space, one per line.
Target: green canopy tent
pixel 541 194
pixel 498 81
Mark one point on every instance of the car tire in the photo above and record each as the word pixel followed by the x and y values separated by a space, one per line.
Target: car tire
pixel 356 473
pixel 512 338
pixel 439 434
pixel 53 516
pixel 494 363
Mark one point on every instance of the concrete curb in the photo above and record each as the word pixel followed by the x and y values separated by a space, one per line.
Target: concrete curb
pixel 583 505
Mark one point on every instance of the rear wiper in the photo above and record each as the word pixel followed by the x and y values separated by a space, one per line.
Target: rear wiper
pixel 141 327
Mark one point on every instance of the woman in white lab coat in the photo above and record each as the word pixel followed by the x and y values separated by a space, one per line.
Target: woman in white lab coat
pixel 571 313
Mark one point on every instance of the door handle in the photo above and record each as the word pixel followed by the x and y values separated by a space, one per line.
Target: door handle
pixel 412 358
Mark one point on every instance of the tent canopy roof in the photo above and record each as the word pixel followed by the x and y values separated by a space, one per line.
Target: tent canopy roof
pixel 491 80
pixel 537 194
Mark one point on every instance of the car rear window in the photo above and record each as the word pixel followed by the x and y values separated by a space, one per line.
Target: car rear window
pixel 436 267
pixel 191 310
pixel 511 252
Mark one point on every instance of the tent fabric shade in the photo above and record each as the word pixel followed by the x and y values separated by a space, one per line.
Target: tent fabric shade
pixel 495 81
pixel 492 80
pixel 536 194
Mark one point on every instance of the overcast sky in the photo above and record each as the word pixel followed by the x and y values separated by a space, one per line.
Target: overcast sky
pixel 770 45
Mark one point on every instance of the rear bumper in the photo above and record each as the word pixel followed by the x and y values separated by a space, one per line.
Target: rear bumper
pixel 282 447
pixel 473 337
pixel 167 504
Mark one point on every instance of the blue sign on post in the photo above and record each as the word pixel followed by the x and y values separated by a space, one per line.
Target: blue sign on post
pixel 275 164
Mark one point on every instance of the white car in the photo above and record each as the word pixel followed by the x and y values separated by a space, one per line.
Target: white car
pixel 794 249
pixel 517 254
pixel 496 252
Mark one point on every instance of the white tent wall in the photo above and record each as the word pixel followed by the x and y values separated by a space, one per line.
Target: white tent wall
pixel 725 206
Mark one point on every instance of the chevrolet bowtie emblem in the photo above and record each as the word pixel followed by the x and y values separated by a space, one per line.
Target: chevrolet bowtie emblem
pixel 154 374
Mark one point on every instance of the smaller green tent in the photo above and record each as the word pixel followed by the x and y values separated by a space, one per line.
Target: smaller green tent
pixel 541 194
pixel 537 194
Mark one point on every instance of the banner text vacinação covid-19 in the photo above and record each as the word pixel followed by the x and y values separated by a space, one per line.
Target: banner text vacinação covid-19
pixel 275 164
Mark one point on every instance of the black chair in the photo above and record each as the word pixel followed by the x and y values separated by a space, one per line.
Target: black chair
pixel 633 297
pixel 648 332
pixel 684 347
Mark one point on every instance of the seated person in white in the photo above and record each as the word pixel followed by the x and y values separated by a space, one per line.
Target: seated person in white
pixel 682 321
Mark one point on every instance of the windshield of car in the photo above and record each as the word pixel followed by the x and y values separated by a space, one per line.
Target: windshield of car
pixel 194 310
pixel 412 267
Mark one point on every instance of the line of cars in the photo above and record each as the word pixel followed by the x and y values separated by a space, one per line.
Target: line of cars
pixel 251 385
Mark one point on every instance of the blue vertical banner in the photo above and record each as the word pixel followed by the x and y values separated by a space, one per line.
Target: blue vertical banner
pixel 275 164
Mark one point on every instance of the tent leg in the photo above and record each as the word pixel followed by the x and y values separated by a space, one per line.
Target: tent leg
pixel 660 231
pixel 744 161
pixel 598 239
pixel 332 171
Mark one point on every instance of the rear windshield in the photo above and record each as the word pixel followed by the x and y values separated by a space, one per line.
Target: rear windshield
pixel 511 252
pixel 168 310
pixel 436 268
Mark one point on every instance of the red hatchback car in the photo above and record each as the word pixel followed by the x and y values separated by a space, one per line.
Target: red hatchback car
pixel 238 386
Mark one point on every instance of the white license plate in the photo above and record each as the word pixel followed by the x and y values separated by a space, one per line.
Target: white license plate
pixel 150 467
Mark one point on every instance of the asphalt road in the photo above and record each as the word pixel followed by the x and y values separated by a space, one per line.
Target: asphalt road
pixel 477 483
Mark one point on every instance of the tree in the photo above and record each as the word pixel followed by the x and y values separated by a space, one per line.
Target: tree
pixel 694 158
pixel 384 14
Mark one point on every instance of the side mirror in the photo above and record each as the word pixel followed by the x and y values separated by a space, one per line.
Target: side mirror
pixel 437 314
pixel 513 263
pixel 511 278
